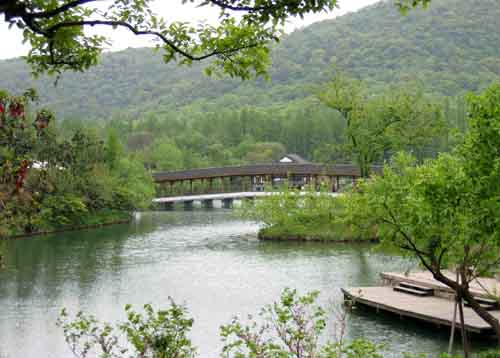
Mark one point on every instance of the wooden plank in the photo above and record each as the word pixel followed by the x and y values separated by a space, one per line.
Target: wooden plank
pixel 429 309
pixel 412 291
pixel 414 286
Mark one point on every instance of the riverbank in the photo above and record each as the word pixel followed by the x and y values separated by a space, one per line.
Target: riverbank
pixel 89 221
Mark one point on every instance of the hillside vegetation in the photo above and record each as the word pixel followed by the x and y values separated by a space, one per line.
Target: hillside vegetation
pixel 448 49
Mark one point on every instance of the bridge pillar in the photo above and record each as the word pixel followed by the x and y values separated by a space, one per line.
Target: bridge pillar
pixel 188 205
pixel 332 184
pixel 168 206
pixel 232 184
pixel 208 204
pixel 222 187
pixel 210 185
pixel 227 203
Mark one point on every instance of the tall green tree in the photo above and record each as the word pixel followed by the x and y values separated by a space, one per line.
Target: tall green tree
pixel 377 124
pixel 446 211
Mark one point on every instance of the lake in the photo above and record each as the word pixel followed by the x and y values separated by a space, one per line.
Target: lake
pixel 209 260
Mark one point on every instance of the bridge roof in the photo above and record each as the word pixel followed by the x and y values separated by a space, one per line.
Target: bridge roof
pixel 277 169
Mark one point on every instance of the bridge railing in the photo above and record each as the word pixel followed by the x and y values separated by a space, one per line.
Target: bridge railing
pixel 249 184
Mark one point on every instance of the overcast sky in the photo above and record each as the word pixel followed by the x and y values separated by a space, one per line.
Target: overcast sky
pixel 11 40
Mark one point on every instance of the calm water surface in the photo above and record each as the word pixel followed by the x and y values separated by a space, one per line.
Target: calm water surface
pixel 209 260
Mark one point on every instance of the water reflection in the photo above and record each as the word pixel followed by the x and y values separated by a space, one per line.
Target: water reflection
pixel 207 259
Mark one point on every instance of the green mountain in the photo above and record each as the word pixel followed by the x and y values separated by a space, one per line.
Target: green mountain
pixel 450 48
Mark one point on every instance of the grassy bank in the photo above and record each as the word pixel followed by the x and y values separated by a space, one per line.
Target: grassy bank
pixel 86 221
pixel 328 233
pixel 306 216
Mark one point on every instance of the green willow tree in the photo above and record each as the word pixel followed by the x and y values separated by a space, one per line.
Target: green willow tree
pixel 237 44
pixel 399 119
pixel 446 211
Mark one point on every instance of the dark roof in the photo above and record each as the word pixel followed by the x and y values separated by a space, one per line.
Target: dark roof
pixel 277 169
pixel 295 158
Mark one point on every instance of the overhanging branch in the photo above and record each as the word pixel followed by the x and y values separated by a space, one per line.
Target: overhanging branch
pixel 49 32
pixel 51 13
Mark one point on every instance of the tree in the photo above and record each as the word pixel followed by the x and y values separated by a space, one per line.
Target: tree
pixel 265 152
pixel 18 139
pixel 48 182
pixel 445 211
pixel 164 155
pixel 406 5
pixel 114 149
pixel 237 45
pixel 398 119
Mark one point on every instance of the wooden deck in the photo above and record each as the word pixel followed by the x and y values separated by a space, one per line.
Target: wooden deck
pixel 430 309
pixel 437 309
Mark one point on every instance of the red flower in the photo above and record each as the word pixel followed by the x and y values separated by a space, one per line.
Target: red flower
pixel 17 110
pixel 2 107
pixel 21 176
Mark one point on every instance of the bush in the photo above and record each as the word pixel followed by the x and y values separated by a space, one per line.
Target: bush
pixel 292 328
pixel 158 334
pixel 309 215
pixel 62 210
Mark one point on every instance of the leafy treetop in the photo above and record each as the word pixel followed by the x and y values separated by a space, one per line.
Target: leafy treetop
pixel 56 32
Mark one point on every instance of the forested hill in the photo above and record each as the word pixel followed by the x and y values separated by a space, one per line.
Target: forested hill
pixel 452 47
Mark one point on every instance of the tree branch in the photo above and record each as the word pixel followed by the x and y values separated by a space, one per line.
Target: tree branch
pixel 59 10
pixel 49 32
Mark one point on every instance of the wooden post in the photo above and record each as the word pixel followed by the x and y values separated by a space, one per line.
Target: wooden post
pixel 337 179
pixel 231 183
pixel 454 322
pixel 210 185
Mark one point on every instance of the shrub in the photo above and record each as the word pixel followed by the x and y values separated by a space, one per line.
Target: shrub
pixel 62 210
pixel 292 328
pixel 158 334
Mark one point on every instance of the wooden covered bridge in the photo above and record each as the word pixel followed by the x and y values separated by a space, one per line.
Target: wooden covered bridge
pixel 291 169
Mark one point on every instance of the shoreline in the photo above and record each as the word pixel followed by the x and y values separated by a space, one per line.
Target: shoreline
pixel 263 236
pixel 69 229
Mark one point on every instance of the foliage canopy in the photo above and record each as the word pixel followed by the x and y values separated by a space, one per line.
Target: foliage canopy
pixel 237 44
pixel 446 211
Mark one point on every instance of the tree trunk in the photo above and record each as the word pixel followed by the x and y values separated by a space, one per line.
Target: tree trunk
pixel 481 312
pixel 465 341
pixel 462 290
